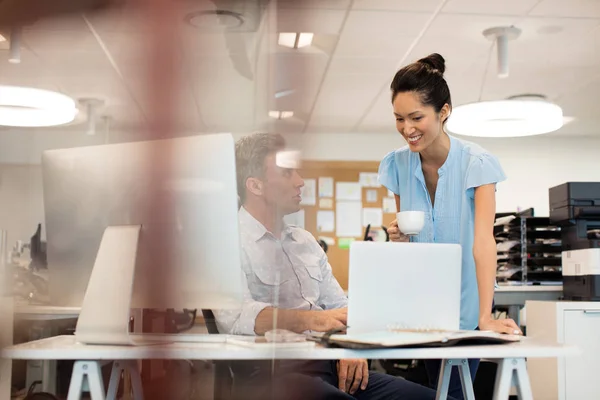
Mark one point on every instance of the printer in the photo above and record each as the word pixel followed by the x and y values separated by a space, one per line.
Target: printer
pixel 575 208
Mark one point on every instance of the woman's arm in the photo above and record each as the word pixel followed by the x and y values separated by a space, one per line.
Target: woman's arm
pixel 484 253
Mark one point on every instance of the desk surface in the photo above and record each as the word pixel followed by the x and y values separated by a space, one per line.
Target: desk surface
pixel 66 348
pixel 45 313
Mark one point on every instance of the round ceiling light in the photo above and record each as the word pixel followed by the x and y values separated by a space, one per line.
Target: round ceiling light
pixel 517 116
pixel 29 107
pixel 214 19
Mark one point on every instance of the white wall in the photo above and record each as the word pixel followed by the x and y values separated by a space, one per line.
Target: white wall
pixel 532 165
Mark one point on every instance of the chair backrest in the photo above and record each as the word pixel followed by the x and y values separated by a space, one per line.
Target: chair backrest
pixel 210 321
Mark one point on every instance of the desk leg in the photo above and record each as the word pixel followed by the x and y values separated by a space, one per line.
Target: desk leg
pixel 512 371
pixel 118 367
pixel 91 370
pixel 444 380
pixel 465 379
pixel 49 376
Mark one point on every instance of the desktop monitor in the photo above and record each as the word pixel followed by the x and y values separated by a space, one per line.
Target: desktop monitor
pixel 181 191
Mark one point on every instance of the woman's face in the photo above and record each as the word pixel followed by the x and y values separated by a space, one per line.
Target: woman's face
pixel 419 124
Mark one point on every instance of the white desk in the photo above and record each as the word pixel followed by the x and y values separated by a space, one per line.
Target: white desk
pixel 45 313
pixel 511 358
pixel 45 318
pixel 515 296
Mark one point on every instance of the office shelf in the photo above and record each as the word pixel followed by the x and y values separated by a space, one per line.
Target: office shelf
pixel 528 248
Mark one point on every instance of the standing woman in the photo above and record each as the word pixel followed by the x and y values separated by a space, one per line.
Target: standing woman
pixel 454 183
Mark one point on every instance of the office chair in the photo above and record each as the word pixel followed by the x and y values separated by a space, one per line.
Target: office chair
pixel 223 374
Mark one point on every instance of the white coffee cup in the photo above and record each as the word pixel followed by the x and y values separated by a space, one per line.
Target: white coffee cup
pixel 410 222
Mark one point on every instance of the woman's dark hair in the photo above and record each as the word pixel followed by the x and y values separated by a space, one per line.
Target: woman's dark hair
pixel 426 78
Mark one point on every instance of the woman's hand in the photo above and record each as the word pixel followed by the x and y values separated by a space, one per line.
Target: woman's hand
pixel 395 234
pixel 507 326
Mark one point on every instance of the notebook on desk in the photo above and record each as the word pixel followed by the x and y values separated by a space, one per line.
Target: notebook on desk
pixel 405 339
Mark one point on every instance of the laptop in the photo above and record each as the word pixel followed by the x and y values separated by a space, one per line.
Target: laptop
pixel 404 286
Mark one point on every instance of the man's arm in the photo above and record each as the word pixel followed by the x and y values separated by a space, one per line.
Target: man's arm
pixel 240 321
pixel 300 320
pixel 256 318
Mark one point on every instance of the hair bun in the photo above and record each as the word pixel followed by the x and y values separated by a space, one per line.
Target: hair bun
pixel 435 61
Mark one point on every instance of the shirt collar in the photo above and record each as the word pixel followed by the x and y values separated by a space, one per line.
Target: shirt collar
pixel 419 169
pixel 255 230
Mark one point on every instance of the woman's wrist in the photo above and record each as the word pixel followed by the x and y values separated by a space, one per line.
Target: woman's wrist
pixel 485 318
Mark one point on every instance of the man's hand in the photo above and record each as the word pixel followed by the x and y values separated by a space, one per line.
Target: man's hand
pixel 323 321
pixel 395 234
pixel 352 374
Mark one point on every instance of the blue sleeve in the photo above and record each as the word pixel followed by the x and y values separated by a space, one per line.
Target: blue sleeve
pixel 388 173
pixel 484 169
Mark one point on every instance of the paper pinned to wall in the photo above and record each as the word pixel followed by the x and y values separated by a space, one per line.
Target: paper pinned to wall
pixel 309 192
pixel 344 243
pixel 325 203
pixel 369 179
pixel 325 221
pixel 328 240
pixel 389 205
pixel 348 218
pixel 372 196
pixel 390 193
pixel 325 186
pixel 296 218
pixel 348 191
pixel 372 216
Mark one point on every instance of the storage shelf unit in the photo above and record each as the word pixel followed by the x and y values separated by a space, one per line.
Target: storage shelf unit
pixel 528 248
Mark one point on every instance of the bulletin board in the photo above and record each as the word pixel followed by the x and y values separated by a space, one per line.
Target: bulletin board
pixel 343 172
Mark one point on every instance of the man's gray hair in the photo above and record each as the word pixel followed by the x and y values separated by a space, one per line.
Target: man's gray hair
pixel 250 154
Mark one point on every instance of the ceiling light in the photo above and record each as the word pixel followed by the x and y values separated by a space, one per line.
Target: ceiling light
pixel 517 116
pixel 281 114
pixel 214 19
pixel 502 35
pixel 295 40
pixel 29 107
pixel 14 56
pixel 91 105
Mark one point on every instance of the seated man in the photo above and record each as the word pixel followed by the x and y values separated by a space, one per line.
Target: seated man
pixel 289 278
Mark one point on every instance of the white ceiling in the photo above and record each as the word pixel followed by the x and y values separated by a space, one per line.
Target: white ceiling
pixel 228 81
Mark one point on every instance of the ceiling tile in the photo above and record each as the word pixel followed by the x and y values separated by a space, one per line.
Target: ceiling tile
pixel 342 100
pixel 41 41
pixel 363 65
pixel 397 5
pixel 333 4
pixel 535 79
pixel 458 54
pixel 449 27
pixel 389 34
pixel 381 115
pixel 556 29
pixel 575 8
pixel 60 23
pixel 310 20
pixel 489 7
pixel 222 94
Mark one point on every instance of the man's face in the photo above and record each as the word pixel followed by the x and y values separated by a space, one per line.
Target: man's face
pixel 282 187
